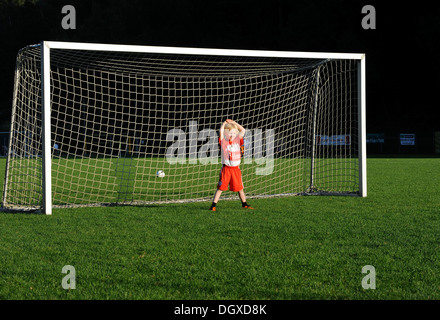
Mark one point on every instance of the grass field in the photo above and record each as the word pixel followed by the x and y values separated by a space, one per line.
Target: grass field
pixel 288 248
pixel 125 180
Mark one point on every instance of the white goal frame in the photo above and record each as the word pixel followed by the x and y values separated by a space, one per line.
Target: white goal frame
pixel 46 47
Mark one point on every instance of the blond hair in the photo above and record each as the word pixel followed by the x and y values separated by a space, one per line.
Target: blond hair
pixel 231 126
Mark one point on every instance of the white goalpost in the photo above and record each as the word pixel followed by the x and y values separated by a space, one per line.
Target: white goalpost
pixel 92 124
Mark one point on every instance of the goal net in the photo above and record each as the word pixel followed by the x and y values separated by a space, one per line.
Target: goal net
pixel 92 124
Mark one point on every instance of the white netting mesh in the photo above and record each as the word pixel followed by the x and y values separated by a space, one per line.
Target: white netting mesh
pixel 117 118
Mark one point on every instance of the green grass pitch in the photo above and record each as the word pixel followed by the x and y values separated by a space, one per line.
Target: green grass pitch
pixel 133 180
pixel 288 248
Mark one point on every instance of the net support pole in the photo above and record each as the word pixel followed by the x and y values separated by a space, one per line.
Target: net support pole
pixel 11 134
pixel 313 138
pixel 362 127
pixel 46 134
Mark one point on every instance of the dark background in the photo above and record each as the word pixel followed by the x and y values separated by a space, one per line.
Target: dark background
pixel 401 53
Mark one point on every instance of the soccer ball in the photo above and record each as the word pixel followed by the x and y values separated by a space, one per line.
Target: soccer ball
pixel 160 174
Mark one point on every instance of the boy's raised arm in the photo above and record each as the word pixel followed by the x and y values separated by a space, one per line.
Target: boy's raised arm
pixel 240 129
pixel 222 130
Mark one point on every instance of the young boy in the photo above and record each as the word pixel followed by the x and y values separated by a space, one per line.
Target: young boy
pixel 231 141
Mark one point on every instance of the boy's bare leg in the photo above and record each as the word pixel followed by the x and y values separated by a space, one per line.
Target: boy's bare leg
pixel 242 196
pixel 217 195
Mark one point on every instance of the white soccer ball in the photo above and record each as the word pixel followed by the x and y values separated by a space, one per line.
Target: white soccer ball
pixel 160 174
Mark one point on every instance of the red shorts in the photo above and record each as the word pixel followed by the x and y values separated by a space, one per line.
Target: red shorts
pixel 230 176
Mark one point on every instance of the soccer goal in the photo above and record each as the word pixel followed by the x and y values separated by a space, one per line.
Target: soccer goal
pixel 92 124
